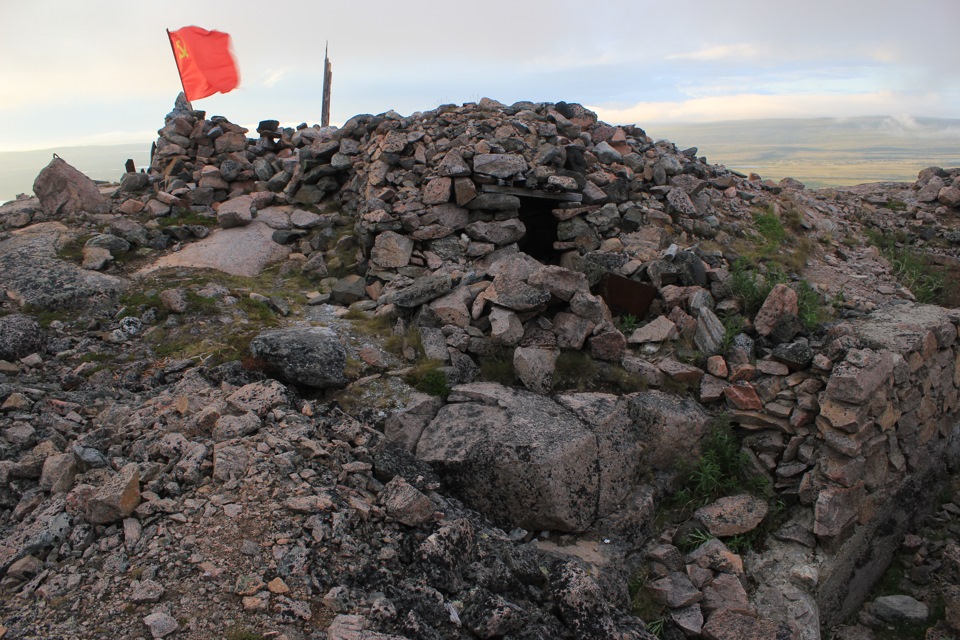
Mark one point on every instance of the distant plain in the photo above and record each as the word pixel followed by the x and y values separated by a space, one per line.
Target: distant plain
pixel 820 152
pixel 823 152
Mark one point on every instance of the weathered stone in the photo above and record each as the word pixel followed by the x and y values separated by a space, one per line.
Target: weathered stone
pixel 423 290
pixel 743 396
pixel 660 329
pixel 20 335
pixel 453 165
pixel 670 426
pixel 174 300
pixel 560 282
pixel 859 376
pixel 110 242
pixel 674 590
pixel 499 165
pixel 309 356
pixel 505 326
pixel 725 592
pixel 63 191
pixel 406 503
pixel 709 333
pixel 229 461
pixel 781 301
pixel 681 203
pixel 464 191
pixel 711 388
pixel 836 512
pixel 688 619
pixel 228 427
pixel 146 591
pixel 795 355
pixel 899 608
pixel 59 471
pixel 499 232
pixel 516 294
pixel 732 515
pixel 949 196
pixel 571 330
pixel 607 343
pixel 349 289
pixel 680 372
pixel 162 624
pixel 516 456
pixel 607 154
pixel 453 308
pixel 117 498
pixel 96 258
pixel 437 191
pixel 535 367
pixel 237 212
pixel 391 250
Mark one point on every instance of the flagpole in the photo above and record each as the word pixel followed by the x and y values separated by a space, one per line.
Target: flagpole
pixel 177 62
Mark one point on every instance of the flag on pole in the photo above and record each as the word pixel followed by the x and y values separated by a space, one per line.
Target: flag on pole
pixel 204 61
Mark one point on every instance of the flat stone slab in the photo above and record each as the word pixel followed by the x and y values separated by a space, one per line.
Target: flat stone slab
pixel 33 275
pixel 239 251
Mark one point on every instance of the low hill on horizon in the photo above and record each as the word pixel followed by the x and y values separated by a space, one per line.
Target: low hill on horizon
pixel 824 152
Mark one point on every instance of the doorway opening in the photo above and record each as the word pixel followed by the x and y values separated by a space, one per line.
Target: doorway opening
pixel 537 216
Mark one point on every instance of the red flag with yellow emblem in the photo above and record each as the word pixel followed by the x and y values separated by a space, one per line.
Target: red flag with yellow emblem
pixel 204 61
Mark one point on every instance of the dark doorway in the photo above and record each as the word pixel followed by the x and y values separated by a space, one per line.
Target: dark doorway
pixel 537 216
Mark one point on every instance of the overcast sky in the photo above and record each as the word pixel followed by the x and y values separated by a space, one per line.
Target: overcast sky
pixel 98 72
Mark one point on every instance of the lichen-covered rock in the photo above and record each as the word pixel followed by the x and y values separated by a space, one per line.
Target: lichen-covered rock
pixel 20 335
pixel 308 356
pixel 117 498
pixel 516 456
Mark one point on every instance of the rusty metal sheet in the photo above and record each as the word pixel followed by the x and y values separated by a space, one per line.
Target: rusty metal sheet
pixel 626 296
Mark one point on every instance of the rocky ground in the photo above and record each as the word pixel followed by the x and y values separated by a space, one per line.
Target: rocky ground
pixel 226 405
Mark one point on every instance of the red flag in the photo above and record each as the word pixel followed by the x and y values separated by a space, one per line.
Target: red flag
pixel 204 61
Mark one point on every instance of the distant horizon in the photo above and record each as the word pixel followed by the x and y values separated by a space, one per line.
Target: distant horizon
pixel 819 151
pixel 151 138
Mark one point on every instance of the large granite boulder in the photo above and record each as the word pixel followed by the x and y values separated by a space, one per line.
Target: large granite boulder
pixel 64 190
pixel 526 460
pixel 671 428
pixel 308 356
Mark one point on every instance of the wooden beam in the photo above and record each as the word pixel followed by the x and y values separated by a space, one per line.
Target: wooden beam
pixel 327 81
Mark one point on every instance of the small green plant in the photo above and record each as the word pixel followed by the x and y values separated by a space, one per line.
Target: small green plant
pixel 770 227
pixel 908 266
pixel 893 204
pixel 184 216
pixel 72 250
pixel 810 305
pixel 241 633
pixel 722 469
pixel 696 538
pixel 751 286
pixel 428 377
pixel 732 325
pixel 574 370
pixel 656 626
pixel 628 323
